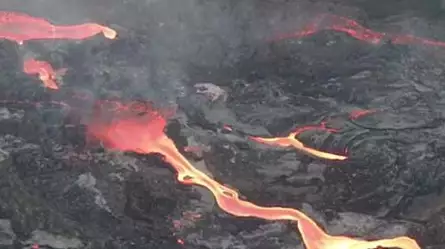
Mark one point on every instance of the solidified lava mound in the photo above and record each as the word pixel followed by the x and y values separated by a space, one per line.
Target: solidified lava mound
pixel 222 125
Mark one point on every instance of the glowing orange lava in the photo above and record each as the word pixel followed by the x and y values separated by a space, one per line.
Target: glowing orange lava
pixel 360 113
pixel 20 27
pixel 145 134
pixel 291 140
pixel 45 71
pixel 354 29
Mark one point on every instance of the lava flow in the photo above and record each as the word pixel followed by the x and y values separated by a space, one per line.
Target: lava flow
pixel 145 134
pixel 354 29
pixel 45 72
pixel 291 140
pixel 360 113
pixel 20 27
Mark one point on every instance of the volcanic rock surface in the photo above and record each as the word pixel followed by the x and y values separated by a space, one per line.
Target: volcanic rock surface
pixel 58 190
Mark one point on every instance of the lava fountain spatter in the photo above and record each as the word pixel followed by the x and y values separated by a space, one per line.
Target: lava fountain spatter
pixel 356 30
pixel 145 134
pixel 20 27
pixel 291 140
pixel 45 72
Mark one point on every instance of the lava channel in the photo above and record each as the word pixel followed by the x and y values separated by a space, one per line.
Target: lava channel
pixel 292 141
pixel 20 27
pixel 145 134
pixel 45 72
pixel 356 30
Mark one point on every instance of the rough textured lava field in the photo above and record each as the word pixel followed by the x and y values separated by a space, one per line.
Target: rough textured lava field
pixel 222 124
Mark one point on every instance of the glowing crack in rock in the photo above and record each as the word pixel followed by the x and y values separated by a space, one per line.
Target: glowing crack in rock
pixel 20 27
pixel 356 30
pixel 360 113
pixel 145 134
pixel 45 72
pixel 292 141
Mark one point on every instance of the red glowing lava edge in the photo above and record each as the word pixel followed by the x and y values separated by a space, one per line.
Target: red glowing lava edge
pixel 20 27
pixel 356 30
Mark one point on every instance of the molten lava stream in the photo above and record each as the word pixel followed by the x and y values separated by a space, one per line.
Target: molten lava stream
pixel 356 30
pixel 20 27
pixel 45 72
pixel 145 134
pixel 291 140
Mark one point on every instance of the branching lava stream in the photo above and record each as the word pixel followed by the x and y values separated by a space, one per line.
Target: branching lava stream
pixel 144 133
pixel 291 140
pixel 142 130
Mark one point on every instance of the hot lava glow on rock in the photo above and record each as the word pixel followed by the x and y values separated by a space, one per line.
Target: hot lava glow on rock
pixel 127 131
pixel 20 27
pixel 140 128
pixel 45 72
pixel 356 30
pixel 291 140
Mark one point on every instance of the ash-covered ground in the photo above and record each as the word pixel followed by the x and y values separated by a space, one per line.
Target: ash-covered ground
pixel 58 191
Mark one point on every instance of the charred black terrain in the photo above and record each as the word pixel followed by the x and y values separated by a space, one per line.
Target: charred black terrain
pixel 60 190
